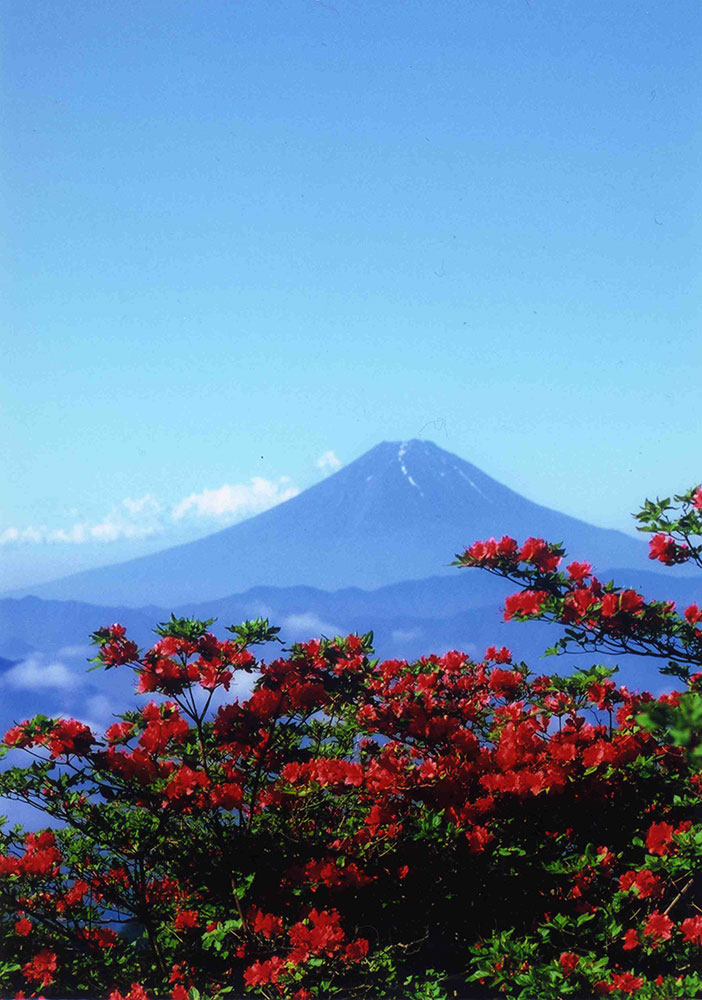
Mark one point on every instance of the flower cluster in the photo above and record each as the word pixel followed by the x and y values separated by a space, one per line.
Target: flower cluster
pixel 354 823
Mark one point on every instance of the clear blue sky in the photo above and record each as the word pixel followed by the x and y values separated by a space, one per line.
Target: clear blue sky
pixel 241 234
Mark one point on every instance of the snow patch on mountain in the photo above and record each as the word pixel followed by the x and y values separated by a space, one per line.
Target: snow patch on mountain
pixel 469 480
pixel 400 457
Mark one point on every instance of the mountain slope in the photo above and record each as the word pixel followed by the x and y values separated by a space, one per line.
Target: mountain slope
pixel 409 619
pixel 398 512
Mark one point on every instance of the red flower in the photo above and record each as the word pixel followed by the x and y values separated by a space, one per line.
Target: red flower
pixel 599 752
pixel 528 602
pixel 41 967
pixel 691 929
pixel 70 737
pixel 495 655
pixel 631 602
pixel 506 546
pixel 569 962
pixel 355 951
pixel 626 982
pixel 137 992
pixel 579 601
pixel 491 552
pixel 119 731
pixel 265 923
pixel 579 571
pixel 23 927
pixel 602 693
pixel 478 838
pixel 186 919
pixel 658 926
pixel 261 973
pixel 538 552
pixel 644 882
pixel 631 940
pixel 41 855
pixel 185 785
pixel 18 736
pixel 99 937
pixel 610 605
pixel 602 989
pixel 666 550
pixel 505 683
pixel 324 935
pixel 658 838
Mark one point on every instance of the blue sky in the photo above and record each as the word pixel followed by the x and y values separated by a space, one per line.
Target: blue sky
pixel 243 234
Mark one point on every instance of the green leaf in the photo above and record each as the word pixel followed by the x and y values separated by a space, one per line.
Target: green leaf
pixel 255 631
pixel 190 629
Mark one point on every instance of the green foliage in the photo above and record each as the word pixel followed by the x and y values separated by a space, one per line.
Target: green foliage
pixel 255 631
pixel 190 629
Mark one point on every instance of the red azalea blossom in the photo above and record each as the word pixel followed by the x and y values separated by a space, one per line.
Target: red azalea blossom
pixel 505 682
pixel 540 554
pixel 323 934
pixel 631 940
pixel 659 926
pixel 186 919
pixel 495 655
pixel 137 992
pixel 602 988
pixel 261 973
pixel 569 962
pixel 691 929
pixel 666 550
pixel 119 731
pixel 265 923
pixel 579 571
pixel 327 791
pixel 524 604
pixel 627 982
pixel 100 937
pixel 41 967
pixel 644 882
pixel 659 838
pixel 355 951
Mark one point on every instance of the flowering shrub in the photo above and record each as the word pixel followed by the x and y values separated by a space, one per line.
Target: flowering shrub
pixel 356 827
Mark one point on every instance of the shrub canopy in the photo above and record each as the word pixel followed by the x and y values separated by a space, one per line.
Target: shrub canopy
pixel 358 828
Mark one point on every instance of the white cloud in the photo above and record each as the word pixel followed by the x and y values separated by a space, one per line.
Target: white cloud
pixel 236 500
pixel 146 516
pixel 34 674
pixel 131 518
pixel 110 529
pixel 145 504
pixel 328 461
pixel 310 626
pixel 99 706
pixel 76 651
pixel 21 535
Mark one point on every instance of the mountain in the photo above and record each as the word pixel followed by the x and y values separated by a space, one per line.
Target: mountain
pixel 409 619
pixel 399 512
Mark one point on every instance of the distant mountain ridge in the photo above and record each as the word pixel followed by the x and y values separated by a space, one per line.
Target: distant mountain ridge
pixel 399 512
pixel 409 619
